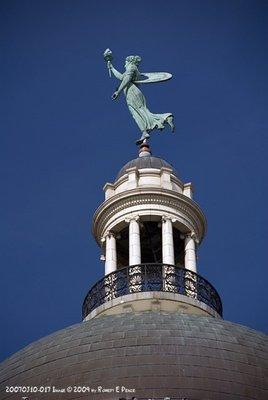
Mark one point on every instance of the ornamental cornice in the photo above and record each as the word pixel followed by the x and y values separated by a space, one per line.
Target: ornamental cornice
pixel 137 197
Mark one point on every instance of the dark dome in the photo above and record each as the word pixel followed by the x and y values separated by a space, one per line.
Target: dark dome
pixel 146 162
pixel 159 354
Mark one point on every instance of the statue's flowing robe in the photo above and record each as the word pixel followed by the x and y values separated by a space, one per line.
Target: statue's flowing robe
pixel 136 102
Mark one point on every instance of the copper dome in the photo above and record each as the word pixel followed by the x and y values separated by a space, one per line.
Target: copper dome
pixel 157 354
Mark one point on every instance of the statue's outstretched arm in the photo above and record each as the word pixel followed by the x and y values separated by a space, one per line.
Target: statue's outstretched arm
pixel 116 73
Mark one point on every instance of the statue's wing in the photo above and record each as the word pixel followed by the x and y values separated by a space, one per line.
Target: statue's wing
pixel 151 77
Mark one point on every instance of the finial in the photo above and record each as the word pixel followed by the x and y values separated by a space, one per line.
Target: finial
pixel 145 150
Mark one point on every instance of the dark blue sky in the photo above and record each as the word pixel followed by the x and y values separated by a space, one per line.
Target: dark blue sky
pixel 62 138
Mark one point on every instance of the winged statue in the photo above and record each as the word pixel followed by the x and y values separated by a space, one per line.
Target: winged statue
pixel 130 80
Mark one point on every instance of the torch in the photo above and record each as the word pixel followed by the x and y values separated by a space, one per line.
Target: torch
pixel 108 56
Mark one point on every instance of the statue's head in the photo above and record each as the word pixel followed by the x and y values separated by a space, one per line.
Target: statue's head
pixel 135 60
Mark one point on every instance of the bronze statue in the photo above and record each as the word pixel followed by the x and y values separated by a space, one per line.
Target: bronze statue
pixel 130 81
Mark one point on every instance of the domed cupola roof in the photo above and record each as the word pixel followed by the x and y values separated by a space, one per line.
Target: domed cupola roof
pixel 147 161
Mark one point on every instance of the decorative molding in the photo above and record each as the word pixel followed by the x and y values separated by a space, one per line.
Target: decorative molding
pixel 182 209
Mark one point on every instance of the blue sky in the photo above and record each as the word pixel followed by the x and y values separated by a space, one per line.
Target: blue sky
pixel 62 138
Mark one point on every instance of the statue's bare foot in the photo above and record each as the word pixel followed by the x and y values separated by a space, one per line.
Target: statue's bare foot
pixel 143 138
pixel 170 121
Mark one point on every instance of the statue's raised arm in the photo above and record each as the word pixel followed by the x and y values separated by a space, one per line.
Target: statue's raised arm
pixel 130 81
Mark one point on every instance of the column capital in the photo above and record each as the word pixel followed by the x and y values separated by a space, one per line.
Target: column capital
pixel 166 218
pixel 132 218
pixel 189 235
pixel 107 234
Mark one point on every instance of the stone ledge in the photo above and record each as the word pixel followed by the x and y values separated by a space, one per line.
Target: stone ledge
pixel 153 301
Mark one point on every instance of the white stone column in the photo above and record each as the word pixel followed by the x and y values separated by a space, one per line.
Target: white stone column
pixel 110 256
pixel 167 241
pixel 190 254
pixel 134 241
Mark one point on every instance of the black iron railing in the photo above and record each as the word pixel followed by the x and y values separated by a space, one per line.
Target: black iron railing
pixel 148 278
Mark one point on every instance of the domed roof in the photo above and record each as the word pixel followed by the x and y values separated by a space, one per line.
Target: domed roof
pixel 157 354
pixel 147 161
